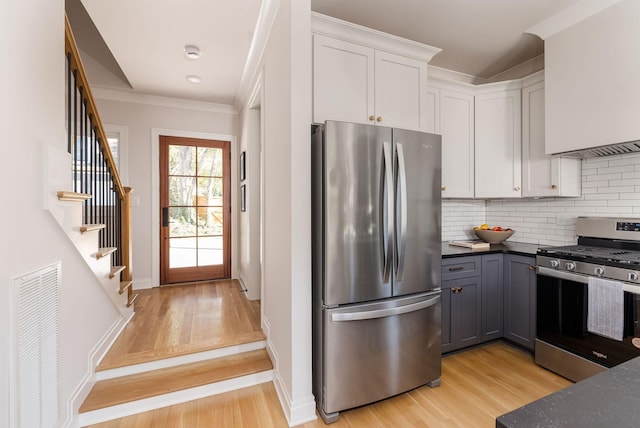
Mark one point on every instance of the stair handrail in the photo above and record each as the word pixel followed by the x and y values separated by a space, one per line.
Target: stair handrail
pixel 124 228
pixel 71 51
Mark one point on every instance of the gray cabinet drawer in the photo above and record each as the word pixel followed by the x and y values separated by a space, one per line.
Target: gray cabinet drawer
pixel 461 267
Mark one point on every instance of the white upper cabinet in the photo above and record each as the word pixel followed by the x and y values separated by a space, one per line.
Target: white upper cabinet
pixel 365 76
pixel 542 174
pixel 498 162
pixel 343 80
pixel 400 91
pixel 456 125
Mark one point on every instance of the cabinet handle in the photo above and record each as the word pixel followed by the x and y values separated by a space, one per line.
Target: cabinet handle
pixel 532 267
pixel 517 189
pixel 379 119
pixel 453 269
pixel 372 117
pixel 444 188
pixel 553 186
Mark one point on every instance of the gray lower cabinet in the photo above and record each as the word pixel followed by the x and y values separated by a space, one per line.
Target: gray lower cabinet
pixel 488 297
pixel 520 299
pixel 492 297
pixel 461 302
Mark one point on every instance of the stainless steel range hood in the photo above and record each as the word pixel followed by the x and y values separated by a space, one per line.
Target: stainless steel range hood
pixel 608 150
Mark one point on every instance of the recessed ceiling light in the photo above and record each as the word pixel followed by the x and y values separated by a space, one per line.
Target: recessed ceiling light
pixel 192 52
pixel 192 78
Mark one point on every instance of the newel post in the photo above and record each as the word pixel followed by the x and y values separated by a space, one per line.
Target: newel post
pixel 127 256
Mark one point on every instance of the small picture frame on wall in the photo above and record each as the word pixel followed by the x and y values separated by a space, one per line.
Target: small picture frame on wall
pixel 243 167
pixel 243 198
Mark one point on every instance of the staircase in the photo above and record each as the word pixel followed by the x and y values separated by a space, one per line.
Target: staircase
pixel 158 371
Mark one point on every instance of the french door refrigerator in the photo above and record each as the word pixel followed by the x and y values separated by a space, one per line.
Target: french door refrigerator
pixel 376 263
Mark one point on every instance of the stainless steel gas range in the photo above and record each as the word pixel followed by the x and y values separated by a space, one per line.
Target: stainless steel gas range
pixel 588 299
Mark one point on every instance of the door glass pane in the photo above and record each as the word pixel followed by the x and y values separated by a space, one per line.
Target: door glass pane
pixel 210 251
pixel 182 191
pixel 182 160
pixel 182 222
pixel 210 221
pixel 182 252
pixel 209 161
pixel 211 190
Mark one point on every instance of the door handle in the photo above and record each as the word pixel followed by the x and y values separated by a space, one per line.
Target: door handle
pixel 381 313
pixel 165 216
pixel 388 173
pixel 402 238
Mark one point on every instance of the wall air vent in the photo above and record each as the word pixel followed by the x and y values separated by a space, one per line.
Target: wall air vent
pixel 612 149
pixel 34 392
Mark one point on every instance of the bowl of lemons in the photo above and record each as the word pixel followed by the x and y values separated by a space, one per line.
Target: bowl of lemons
pixel 493 235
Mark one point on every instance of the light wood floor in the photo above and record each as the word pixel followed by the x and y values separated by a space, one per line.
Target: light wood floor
pixel 178 320
pixel 477 386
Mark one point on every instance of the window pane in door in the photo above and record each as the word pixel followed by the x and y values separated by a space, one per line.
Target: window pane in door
pixel 210 161
pixel 182 222
pixel 182 191
pixel 210 221
pixel 210 251
pixel 182 252
pixel 182 160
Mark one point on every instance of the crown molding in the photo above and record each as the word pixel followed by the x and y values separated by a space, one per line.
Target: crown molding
pixel 337 28
pixel 266 18
pixel 125 96
pixel 569 17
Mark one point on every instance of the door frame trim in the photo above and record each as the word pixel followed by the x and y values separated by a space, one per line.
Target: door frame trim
pixel 155 194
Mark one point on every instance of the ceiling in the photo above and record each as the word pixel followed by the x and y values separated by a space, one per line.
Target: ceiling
pixel 139 45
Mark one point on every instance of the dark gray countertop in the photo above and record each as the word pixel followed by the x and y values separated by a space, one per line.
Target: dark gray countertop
pixel 608 399
pixel 506 247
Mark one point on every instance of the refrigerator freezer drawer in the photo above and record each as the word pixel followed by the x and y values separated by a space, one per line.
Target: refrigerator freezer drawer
pixel 376 350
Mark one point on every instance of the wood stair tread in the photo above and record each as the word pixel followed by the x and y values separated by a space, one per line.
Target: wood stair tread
pixel 149 355
pixel 73 196
pixel 103 252
pixel 132 300
pixel 115 270
pixel 125 389
pixel 91 227
pixel 124 285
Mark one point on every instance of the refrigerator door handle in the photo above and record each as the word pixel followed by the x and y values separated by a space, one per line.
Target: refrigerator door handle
pixel 402 221
pixel 382 313
pixel 388 183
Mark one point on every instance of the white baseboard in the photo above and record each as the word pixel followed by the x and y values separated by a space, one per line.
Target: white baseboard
pixel 142 283
pixel 296 412
pixel 89 379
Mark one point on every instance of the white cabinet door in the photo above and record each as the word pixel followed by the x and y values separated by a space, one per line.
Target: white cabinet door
pixel 432 104
pixel 542 174
pixel 457 130
pixel 400 91
pixel 498 148
pixel 343 80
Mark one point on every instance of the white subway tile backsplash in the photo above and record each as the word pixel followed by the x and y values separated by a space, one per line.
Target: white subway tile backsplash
pixel 611 187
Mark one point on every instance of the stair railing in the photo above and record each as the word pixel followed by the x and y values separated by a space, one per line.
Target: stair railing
pixel 93 167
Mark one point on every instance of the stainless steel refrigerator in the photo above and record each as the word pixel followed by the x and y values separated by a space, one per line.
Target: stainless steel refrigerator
pixel 376 263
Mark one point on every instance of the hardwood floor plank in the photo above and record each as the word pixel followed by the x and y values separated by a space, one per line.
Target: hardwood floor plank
pixel 125 389
pixel 477 386
pixel 180 320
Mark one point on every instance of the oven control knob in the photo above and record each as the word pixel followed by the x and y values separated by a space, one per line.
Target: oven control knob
pixel 554 263
pixel 599 271
pixel 633 276
pixel 570 266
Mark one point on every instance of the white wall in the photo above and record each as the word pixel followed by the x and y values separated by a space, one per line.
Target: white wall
pixel 141 116
pixel 286 72
pixel 610 188
pixel 33 94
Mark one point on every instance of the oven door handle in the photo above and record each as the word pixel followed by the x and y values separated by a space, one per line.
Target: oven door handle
pixel 553 273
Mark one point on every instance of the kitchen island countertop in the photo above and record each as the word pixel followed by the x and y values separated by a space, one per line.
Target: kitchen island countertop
pixel 510 247
pixel 608 399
